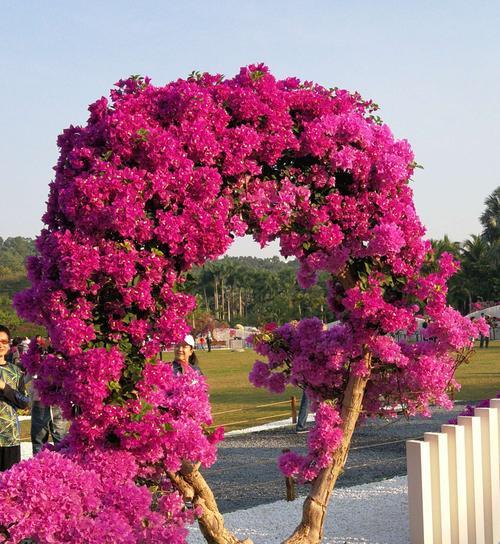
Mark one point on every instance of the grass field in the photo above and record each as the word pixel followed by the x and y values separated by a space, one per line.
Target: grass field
pixel 231 392
pixel 480 378
pixel 227 374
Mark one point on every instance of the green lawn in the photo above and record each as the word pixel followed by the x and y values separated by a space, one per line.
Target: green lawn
pixel 230 390
pixel 227 375
pixel 480 378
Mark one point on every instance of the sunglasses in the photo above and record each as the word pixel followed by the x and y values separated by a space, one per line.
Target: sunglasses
pixel 4 342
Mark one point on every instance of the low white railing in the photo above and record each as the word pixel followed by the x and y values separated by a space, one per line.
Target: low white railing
pixel 454 482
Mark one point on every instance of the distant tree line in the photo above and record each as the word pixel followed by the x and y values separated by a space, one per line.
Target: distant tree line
pixel 13 253
pixel 253 291
pixel 249 290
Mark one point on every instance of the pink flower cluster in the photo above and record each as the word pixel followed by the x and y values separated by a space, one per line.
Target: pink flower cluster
pixel 483 304
pixel 161 179
pixel 55 498
pixel 403 376
pixel 322 442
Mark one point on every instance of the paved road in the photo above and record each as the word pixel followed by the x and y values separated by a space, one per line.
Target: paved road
pixel 246 473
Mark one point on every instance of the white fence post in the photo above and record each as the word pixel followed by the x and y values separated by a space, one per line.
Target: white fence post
pixel 458 488
pixel 454 481
pixel 474 477
pixel 419 491
pixel 440 486
pixel 495 403
pixel 491 488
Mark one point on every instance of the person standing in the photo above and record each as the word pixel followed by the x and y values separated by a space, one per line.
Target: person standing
pixel 185 357
pixel 40 342
pixel 46 421
pixel 14 355
pixel 303 413
pixel 304 401
pixel 209 341
pixel 484 339
pixel 24 345
pixel 12 398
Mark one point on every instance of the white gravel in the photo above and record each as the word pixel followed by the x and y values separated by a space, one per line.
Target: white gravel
pixel 370 514
pixel 374 513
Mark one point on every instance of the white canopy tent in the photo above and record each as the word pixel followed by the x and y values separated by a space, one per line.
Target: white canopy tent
pixel 492 311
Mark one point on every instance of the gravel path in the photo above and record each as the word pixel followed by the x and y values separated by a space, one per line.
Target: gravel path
pixel 246 474
pixel 374 513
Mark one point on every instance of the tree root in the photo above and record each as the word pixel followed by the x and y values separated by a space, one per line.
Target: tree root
pixel 194 488
pixel 303 535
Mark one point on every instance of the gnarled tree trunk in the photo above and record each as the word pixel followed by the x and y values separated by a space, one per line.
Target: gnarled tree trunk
pixel 310 529
pixel 194 488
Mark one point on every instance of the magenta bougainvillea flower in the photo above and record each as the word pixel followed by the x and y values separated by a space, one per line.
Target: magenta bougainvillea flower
pixel 161 179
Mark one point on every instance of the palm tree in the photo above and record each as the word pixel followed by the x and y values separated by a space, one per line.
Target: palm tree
pixel 446 245
pixel 490 218
pixel 474 252
pixel 478 269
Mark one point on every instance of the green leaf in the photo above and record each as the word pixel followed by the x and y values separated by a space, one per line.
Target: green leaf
pixel 415 164
pixel 256 75
pixel 145 408
pixel 114 386
pixel 143 134
pixel 129 317
pixel 158 252
pixel 195 74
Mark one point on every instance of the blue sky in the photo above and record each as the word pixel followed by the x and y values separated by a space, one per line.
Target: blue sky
pixel 432 66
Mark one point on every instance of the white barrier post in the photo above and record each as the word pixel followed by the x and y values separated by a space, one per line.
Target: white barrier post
pixel 491 489
pixel 458 489
pixel 473 460
pixel 419 491
pixel 495 403
pixel 440 486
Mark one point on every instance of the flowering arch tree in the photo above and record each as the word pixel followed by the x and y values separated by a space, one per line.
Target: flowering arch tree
pixel 161 179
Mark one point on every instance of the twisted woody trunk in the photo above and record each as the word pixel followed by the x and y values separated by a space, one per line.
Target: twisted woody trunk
pixel 195 489
pixel 310 529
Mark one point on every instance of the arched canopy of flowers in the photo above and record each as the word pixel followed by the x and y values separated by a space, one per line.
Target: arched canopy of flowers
pixel 161 179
